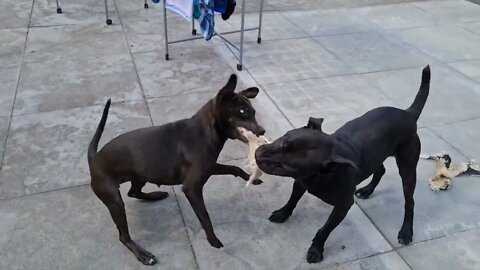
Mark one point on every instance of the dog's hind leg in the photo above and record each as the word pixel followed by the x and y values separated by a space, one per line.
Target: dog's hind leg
pixel 366 191
pixel 407 158
pixel 108 192
pixel 280 215
pixel 136 192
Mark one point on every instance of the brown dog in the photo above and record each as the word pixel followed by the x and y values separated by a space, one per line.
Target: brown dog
pixel 182 152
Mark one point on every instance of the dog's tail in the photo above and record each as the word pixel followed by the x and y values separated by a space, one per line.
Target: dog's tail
pixel 421 98
pixel 92 148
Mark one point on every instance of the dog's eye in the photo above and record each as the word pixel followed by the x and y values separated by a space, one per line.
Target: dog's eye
pixel 242 111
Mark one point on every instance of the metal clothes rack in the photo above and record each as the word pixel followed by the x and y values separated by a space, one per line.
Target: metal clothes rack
pixel 220 35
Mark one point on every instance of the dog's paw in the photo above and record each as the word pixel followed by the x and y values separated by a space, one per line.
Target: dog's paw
pixel 280 215
pixel 257 182
pixel 405 236
pixel 314 255
pixel 146 257
pixel 155 196
pixel 215 243
pixel 363 193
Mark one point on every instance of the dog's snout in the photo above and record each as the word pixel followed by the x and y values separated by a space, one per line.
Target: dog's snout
pixel 261 152
pixel 260 131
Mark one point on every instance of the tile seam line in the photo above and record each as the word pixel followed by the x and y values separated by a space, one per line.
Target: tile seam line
pixel 5 141
pixel 263 89
pixel 133 62
pixel 80 185
pixel 448 143
pixel 383 235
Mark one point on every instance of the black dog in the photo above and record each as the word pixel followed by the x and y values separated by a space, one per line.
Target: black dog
pixel 330 166
pixel 182 152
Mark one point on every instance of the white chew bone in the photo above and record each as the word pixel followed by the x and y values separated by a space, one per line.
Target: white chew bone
pixel 253 143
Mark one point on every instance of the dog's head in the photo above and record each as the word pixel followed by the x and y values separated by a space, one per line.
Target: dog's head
pixel 301 153
pixel 234 110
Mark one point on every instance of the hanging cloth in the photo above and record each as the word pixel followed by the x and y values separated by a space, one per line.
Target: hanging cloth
pixel 203 12
pixel 182 7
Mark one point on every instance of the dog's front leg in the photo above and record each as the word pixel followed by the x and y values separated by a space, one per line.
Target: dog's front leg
pixel 195 197
pixel 280 215
pixel 221 169
pixel 315 252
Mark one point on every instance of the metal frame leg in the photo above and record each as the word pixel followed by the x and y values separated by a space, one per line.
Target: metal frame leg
pixel 240 64
pixel 108 20
pixel 194 31
pixel 59 9
pixel 259 39
pixel 167 57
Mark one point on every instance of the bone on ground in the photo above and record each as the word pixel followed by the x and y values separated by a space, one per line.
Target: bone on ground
pixel 253 143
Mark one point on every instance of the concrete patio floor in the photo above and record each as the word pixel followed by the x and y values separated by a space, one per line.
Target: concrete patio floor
pixel 334 59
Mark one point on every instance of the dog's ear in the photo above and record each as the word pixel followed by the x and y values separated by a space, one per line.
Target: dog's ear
pixel 250 93
pixel 340 163
pixel 315 123
pixel 229 88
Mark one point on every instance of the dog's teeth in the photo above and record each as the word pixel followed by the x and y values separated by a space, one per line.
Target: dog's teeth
pixel 150 261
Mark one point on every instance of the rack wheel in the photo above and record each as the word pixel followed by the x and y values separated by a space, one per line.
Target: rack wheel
pixel 259 40
pixel 194 32
pixel 239 67
pixel 59 10
pixel 167 57
pixel 109 21
pixel 146 5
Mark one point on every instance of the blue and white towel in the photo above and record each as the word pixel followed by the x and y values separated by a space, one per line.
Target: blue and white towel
pixel 203 12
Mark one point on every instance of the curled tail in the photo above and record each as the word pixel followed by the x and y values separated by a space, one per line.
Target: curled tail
pixel 92 148
pixel 419 102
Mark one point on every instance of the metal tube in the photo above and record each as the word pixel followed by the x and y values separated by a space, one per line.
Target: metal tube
pixel 106 11
pixel 259 39
pixel 165 29
pixel 242 28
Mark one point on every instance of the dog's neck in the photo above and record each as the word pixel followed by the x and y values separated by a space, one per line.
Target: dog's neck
pixel 209 120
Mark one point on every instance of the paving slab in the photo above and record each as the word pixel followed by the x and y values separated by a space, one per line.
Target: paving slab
pixel 274 27
pixel 240 219
pixel 42 147
pixel 463 136
pixel 331 22
pixel 8 86
pixel 385 205
pixel 337 99
pixel 145 32
pixel 15 14
pixel 448 43
pixel 12 45
pixel 72 229
pixel 73 12
pixel 459 251
pixel 453 97
pixel 471 68
pixel 173 108
pixel 189 70
pixel 389 260
pixel 396 16
pixel 61 42
pixel 452 11
pixel 76 82
pixel 291 60
pixel 368 52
